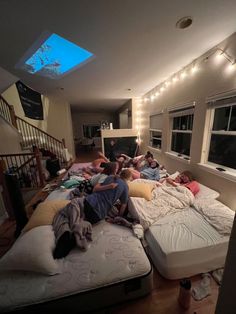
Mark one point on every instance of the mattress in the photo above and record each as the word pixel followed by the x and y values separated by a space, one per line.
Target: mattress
pixel 185 244
pixel 113 269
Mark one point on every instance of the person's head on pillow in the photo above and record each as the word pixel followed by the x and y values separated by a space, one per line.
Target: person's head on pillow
pixel 184 177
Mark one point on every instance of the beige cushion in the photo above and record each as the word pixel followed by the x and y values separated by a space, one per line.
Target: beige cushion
pixel 140 189
pixel 44 213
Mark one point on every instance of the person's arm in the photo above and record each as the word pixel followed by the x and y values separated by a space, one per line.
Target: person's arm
pixel 139 163
pixel 99 187
pixel 101 155
pixel 171 181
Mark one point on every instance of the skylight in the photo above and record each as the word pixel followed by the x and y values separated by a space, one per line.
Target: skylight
pixel 55 57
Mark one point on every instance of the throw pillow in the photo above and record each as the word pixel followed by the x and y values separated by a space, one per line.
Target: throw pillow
pixel 44 213
pixel 139 189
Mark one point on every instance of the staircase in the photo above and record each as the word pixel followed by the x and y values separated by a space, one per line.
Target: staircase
pixel 27 166
pixel 31 135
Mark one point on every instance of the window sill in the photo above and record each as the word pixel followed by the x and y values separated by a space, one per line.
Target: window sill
pixel 223 174
pixel 179 158
pixel 157 150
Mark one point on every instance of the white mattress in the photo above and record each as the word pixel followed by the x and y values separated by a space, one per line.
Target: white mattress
pixel 185 244
pixel 115 256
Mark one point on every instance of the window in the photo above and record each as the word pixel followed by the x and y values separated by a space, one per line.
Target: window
pixel 156 130
pixel 222 135
pixel 91 131
pixel 181 130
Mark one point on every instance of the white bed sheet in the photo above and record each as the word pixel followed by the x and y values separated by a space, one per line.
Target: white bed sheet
pixel 185 244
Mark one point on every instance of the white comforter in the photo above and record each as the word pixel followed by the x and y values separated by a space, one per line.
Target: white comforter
pixel 166 200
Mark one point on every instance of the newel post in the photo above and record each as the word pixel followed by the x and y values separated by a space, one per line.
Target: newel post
pixel 39 165
pixel 63 143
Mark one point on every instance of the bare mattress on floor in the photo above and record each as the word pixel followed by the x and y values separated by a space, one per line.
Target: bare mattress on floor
pixel 115 268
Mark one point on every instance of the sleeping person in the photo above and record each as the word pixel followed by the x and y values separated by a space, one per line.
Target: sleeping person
pixel 186 179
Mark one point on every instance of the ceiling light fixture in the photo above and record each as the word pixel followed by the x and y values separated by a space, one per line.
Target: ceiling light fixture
pixel 184 22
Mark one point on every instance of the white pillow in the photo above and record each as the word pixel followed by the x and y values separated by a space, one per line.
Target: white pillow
pixel 33 252
pixel 206 193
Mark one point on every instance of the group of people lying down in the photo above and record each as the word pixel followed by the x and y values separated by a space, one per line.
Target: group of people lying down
pixel 72 225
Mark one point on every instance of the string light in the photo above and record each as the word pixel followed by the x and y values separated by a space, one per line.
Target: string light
pixel 138 119
pixel 192 69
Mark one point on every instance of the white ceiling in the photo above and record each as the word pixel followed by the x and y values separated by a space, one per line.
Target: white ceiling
pixel 135 42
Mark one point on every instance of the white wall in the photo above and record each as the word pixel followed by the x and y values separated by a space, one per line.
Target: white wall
pixel 57 117
pixel 9 138
pixel 211 79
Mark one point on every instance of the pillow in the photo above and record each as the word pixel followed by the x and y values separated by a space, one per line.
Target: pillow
pixel 141 189
pixel 206 193
pixel 44 213
pixel 33 252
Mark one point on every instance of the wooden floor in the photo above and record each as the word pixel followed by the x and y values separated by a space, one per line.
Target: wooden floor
pixel 163 298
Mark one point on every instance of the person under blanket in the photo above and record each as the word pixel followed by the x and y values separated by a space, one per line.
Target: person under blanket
pixel 186 179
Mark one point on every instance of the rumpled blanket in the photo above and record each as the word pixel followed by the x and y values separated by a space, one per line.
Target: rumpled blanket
pixel 166 200
pixel 70 219
pixel 216 214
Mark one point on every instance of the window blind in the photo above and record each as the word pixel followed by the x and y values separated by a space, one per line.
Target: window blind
pixel 156 121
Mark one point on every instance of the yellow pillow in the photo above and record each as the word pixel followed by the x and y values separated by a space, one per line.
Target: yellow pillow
pixel 139 189
pixel 44 213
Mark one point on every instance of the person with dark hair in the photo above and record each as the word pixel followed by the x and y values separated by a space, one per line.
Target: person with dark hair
pixel 73 224
pixel 110 151
pixel 97 204
pixel 88 186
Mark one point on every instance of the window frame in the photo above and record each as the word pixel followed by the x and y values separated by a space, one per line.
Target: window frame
pixel 212 106
pixel 180 111
pixel 91 125
pixel 159 130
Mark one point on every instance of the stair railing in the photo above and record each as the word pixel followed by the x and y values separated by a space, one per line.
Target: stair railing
pixel 7 112
pixel 31 135
pixel 26 166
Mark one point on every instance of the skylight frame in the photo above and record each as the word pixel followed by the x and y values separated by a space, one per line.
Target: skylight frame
pixel 36 45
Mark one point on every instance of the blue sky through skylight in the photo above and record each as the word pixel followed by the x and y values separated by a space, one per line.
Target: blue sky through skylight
pixel 55 57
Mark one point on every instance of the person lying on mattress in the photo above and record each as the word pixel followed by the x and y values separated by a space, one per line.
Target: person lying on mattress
pixel 186 179
pixel 150 172
pixel 73 224
pixel 87 186
pixel 97 204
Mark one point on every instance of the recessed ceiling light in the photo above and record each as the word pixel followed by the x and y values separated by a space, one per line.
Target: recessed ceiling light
pixel 184 22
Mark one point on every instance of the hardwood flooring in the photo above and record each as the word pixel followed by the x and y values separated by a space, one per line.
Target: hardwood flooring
pixel 162 299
